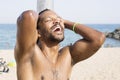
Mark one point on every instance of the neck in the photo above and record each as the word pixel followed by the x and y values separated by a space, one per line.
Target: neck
pixel 50 50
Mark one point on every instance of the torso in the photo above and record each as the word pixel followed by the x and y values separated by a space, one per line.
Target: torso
pixel 40 68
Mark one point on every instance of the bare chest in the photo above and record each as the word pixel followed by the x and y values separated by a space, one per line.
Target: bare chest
pixel 53 73
pixel 44 70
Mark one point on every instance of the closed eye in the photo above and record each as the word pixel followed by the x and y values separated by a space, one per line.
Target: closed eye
pixel 48 20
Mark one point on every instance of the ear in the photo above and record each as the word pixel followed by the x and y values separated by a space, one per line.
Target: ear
pixel 39 33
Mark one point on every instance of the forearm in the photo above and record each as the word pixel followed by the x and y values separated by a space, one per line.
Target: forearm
pixel 86 32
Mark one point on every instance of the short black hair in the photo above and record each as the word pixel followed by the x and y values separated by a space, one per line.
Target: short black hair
pixel 43 11
pixel 39 14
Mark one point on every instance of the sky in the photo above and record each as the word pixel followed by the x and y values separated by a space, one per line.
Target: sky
pixel 82 11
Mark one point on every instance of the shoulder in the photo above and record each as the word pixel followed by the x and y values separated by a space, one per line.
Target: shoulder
pixel 66 55
pixel 65 51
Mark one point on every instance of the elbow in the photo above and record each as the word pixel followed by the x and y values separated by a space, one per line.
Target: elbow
pixel 100 40
pixel 27 15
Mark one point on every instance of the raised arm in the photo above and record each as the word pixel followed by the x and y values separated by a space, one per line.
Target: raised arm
pixel 26 32
pixel 86 47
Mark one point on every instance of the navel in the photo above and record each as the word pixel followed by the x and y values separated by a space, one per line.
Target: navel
pixel 68 79
pixel 42 77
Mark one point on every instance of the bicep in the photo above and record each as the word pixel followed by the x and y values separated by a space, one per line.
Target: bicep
pixel 26 29
pixel 82 49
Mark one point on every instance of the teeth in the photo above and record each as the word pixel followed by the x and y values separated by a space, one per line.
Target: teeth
pixel 57 27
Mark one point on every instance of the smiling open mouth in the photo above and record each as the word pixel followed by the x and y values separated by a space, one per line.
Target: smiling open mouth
pixel 56 29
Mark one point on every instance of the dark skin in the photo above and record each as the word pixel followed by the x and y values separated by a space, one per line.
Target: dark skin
pixel 44 60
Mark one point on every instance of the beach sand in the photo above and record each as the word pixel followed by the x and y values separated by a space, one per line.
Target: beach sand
pixel 104 65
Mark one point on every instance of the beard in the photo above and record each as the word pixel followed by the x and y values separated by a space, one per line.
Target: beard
pixel 55 38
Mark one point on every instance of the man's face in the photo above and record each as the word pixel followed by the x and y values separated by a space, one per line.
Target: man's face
pixel 51 26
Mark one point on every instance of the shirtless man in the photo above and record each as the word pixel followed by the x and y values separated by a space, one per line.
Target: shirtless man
pixel 37 52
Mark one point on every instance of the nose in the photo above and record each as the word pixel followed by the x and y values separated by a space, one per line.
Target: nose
pixel 57 20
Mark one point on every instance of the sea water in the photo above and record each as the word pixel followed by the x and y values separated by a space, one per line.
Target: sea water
pixel 8 35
